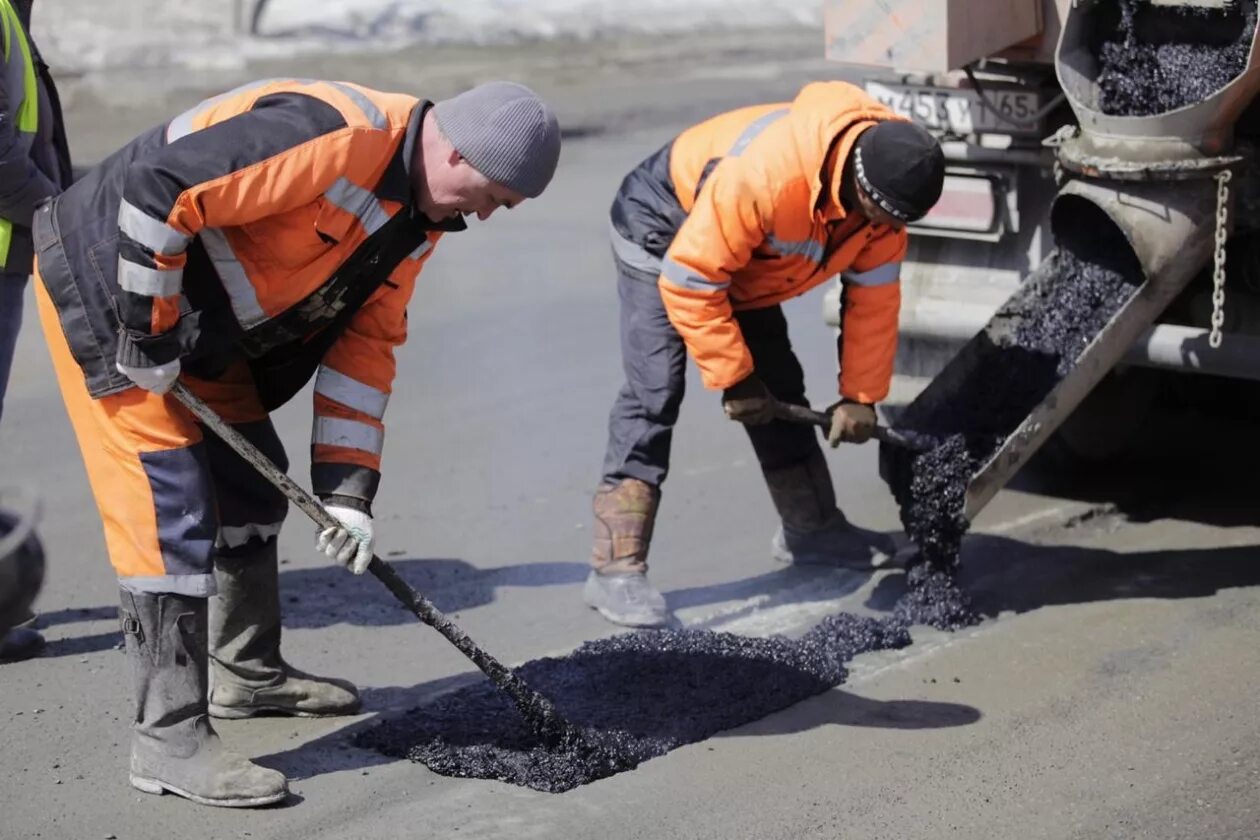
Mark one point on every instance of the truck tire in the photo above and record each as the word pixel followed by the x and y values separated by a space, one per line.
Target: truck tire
pixel 1113 422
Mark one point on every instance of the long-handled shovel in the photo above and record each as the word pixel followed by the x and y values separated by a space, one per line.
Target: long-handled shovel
pixel 537 710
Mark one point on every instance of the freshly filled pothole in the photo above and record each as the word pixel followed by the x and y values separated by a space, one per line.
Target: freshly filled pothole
pixel 629 698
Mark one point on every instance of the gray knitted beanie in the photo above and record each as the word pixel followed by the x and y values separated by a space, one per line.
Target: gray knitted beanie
pixel 506 132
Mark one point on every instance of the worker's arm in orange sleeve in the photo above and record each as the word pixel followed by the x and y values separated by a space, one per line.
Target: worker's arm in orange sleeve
pixel 871 304
pixel 352 389
pixel 730 218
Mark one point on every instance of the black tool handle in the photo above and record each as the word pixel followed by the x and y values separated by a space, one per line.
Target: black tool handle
pixel 803 414
pixel 808 416
pixel 534 706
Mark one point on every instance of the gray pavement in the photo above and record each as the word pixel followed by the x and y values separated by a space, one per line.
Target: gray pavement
pixel 1109 693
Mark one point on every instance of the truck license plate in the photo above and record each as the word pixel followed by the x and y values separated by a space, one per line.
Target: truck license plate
pixel 958 110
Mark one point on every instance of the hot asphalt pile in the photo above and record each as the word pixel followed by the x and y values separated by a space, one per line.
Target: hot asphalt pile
pixel 1163 58
pixel 1055 315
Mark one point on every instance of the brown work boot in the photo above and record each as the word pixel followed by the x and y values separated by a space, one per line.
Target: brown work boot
pixel 624 515
pixel 173 746
pixel 813 530
pixel 617 586
pixel 248 674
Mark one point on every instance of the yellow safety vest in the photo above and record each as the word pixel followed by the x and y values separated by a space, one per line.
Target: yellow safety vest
pixel 27 112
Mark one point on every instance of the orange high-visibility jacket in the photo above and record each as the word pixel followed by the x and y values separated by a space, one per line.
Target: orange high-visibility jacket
pixel 758 226
pixel 254 224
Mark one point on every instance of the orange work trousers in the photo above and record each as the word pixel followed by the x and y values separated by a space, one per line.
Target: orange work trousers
pixel 171 498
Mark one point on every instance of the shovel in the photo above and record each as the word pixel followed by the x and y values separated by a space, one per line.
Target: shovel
pixel 904 438
pixel 537 710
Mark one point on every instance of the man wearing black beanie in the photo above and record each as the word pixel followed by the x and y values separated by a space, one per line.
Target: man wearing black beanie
pixel 710 235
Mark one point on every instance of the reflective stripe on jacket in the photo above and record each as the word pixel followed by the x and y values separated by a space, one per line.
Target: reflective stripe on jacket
pixel 247 226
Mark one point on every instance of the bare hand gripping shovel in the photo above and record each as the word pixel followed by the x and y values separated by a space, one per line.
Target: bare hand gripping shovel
pixel 537 710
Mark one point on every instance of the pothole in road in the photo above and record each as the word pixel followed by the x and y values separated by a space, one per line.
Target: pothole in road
pixel 631 698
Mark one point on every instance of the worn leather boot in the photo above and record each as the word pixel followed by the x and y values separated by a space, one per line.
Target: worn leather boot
pixel 248 674
pixel 813 530
pixel 173 746
pixel 617 586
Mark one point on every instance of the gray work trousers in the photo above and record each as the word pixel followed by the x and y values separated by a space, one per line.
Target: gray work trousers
pixel 641 424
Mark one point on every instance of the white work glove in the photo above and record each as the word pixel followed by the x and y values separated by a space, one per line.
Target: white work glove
pixel 350 545
pixel 156 379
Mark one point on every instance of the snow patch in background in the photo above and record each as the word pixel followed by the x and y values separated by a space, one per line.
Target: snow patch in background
pixel 80 37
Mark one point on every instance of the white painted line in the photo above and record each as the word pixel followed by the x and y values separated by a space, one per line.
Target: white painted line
pixel 1057 512
pixel 926 643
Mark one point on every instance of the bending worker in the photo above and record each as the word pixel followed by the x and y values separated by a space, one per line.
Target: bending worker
pixel 266 236
pixel 710 234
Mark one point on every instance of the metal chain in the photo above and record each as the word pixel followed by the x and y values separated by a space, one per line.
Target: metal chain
pixel 1218 268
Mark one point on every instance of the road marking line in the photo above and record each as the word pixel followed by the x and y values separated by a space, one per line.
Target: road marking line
pixel 1056 512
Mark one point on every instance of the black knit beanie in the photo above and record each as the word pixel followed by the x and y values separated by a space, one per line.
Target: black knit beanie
pixel 901 167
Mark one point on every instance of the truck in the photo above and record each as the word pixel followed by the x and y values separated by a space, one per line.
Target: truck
pixel 1011 88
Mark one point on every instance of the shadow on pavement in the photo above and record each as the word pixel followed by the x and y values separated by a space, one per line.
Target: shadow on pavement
pixel 840 708
pixel 79 645
pixel 1004 574
pixel 784 585
pixel 70 615
pixel 325 596
pixel 1193 468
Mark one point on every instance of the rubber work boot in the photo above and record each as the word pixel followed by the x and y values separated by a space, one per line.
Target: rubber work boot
pixel 173 746
pixel 617 586
pixel 248 674
pixel 20 643
pixel 813 530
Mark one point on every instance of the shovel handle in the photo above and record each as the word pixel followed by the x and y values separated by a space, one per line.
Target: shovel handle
pixel 803 414
pixel 807 416
pixel 532 704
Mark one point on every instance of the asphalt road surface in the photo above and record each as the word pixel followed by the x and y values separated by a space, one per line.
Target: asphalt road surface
pixel 1110 691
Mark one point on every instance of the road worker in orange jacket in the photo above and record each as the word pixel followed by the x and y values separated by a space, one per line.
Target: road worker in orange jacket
pixel 266 236
pixel 710 234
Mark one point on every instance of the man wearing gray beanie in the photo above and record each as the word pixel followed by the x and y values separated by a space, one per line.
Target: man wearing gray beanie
pixel 505 133
pixel 264 238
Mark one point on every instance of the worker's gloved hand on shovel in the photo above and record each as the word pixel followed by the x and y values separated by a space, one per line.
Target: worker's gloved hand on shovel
pixel 352 544
pixel 157 379
pixel 851 422
pixel 749 401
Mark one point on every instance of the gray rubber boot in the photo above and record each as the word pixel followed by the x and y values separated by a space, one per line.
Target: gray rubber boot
pixel 617 586
pixel 173 746
pixel 248 674
pixel 626 598
pixel 813 531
